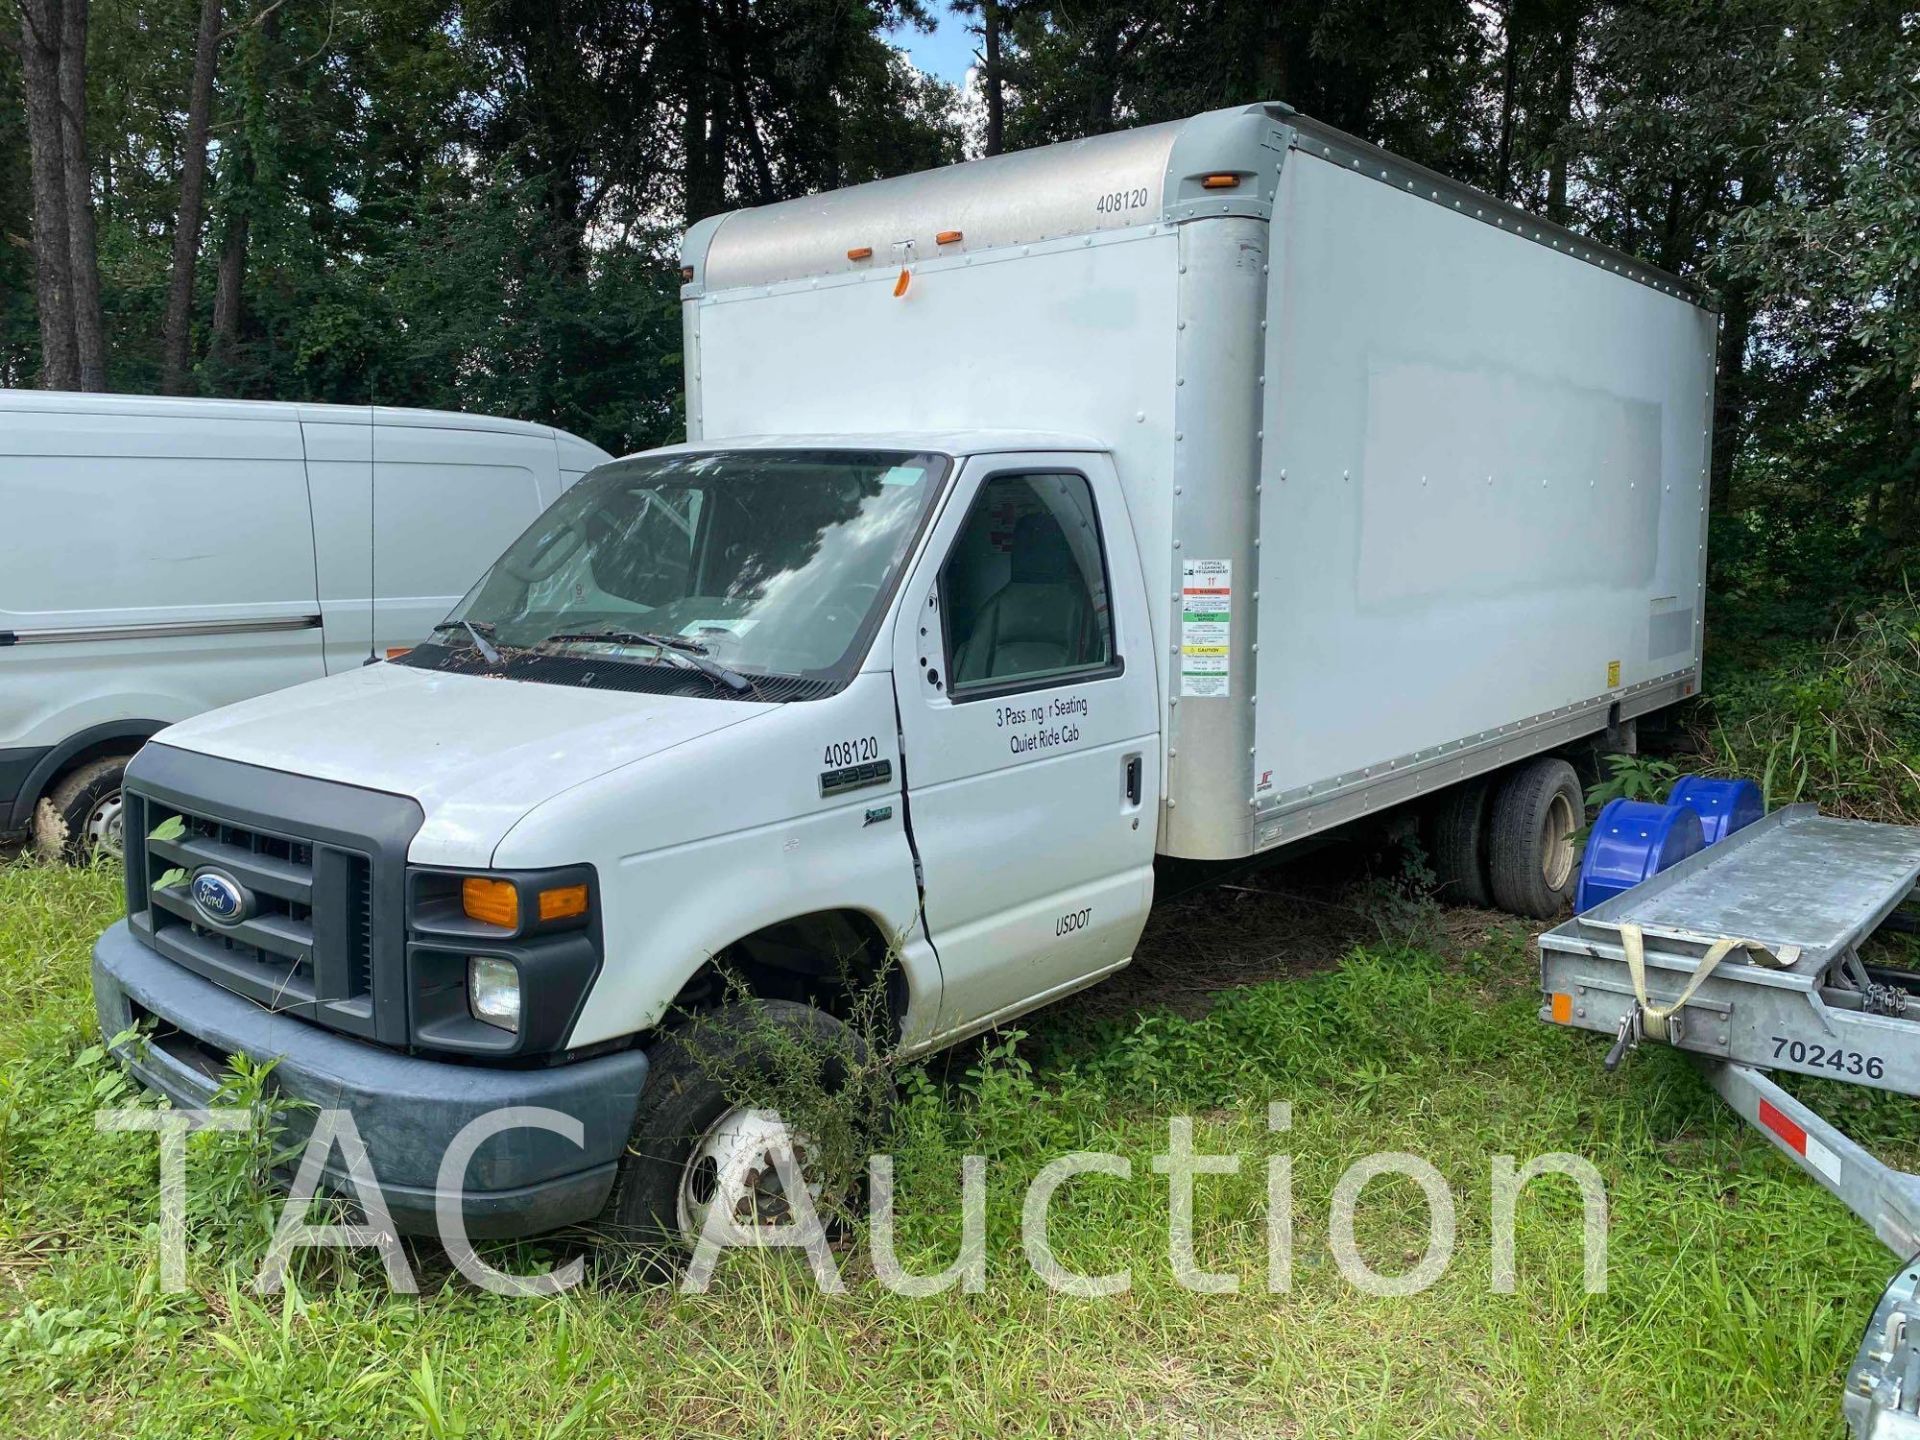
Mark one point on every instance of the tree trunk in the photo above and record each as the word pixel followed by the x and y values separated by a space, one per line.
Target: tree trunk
pixel 83 254
pixel 40 28
pixel 1562 142
pixel 706 180
pixel 1729 393
pixel 175 330
pixel 1901 433
pixel 1730 398
pixel 230 278
pixel 990 78
pixel 229 288
pixel 1509 66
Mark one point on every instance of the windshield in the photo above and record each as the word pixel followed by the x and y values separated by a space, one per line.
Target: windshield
pixel 744 564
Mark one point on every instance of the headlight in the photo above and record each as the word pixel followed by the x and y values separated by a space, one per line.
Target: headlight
pixel 493 991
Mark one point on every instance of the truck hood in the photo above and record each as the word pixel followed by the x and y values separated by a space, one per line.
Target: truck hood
pixel 477 754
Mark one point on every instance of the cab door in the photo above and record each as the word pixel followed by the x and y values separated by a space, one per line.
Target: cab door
pixel 1029 718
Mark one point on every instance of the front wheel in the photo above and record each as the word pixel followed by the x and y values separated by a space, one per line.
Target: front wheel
pixel 80 816
pixel 694 1144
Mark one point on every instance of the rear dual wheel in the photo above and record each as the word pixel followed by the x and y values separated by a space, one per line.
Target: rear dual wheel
pixel 1507 840
pixel 1531 866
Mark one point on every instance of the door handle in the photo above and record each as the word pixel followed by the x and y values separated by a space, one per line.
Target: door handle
pixel 1131 772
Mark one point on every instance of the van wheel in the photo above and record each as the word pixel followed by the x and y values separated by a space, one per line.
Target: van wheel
pixel 692 1145
pixel 1457 836
pixel 80 816
pixel 1537 811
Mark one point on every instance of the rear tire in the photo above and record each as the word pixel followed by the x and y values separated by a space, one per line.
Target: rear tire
pixel 80 816
pixel 1458 839
pixel 685 1118
pixel 1537 811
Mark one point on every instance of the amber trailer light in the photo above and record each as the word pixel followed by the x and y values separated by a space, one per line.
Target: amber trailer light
pixel 493 902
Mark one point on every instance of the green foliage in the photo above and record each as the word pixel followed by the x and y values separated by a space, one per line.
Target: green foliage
pixel 1633 777
pixel 1736 1287
pixel 1837 721
pixel 836 1091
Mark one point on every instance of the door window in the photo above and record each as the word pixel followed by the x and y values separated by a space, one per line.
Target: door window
pixel 1024 591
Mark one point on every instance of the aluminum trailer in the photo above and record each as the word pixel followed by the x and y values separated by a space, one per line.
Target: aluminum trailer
pixel 1747 956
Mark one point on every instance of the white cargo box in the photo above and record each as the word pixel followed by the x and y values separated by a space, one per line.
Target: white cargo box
pixel 1420 479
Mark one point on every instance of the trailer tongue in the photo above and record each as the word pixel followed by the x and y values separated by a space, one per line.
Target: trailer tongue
pixel 1747 956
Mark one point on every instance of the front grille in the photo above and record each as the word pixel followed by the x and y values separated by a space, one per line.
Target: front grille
pixel 306 949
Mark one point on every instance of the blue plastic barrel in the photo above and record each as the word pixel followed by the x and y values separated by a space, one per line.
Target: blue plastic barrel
pixel 1723 806
pixel 1634 841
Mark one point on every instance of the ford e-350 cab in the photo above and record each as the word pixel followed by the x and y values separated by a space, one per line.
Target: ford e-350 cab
pixel 1190 492
pixel 663 729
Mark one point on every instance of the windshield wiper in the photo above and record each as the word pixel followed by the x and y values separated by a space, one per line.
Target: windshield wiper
pixel 628 637
pixel 474 629
pixel 688 654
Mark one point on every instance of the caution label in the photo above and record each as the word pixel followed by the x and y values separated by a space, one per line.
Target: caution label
pixel 1206 626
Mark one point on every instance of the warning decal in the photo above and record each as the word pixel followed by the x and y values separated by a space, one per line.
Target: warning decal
pixel 1206 626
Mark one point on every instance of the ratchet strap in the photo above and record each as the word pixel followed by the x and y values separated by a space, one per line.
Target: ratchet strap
pixel 1655 1017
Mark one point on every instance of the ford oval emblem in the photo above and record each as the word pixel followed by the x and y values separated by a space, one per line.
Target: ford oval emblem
pixel 220 898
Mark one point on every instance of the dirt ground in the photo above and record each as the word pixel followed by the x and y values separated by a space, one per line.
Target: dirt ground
pixel 1209 933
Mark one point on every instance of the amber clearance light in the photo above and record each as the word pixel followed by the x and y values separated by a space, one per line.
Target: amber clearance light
pixel 563 902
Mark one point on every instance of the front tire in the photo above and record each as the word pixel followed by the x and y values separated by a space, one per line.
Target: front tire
pixel 80 816
pixel 691 1141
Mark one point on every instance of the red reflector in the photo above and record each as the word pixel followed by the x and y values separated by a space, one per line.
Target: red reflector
pixel 1795 1137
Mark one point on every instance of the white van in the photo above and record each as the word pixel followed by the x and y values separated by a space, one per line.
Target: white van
pixel 163 557
pixel 1186 492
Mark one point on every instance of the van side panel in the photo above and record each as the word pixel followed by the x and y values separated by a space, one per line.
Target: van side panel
pixel 448 502
pixel 1483 497
pixel 155 566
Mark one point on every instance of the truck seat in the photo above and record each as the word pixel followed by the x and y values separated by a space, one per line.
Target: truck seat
pixel 1037 621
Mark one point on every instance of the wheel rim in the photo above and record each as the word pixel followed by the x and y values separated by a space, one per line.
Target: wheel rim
pixel 1556 843
pixel 104 825
pixel 738 1158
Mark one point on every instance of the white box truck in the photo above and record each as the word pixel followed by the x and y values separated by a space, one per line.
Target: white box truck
pixel 1182 492
pixel 160 557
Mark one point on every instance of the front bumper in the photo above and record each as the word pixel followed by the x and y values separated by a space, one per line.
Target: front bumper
pixel 406 1108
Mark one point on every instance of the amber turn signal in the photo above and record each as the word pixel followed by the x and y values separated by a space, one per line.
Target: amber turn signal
pixel 860 252
pixel 947 237
pixel 492 902
pixel 1221 182
pixel 563 903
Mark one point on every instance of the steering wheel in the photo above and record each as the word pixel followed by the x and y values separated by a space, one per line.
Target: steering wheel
pixel 550 559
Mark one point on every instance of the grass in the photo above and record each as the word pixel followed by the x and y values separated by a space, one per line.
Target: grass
pixel 1737 1289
